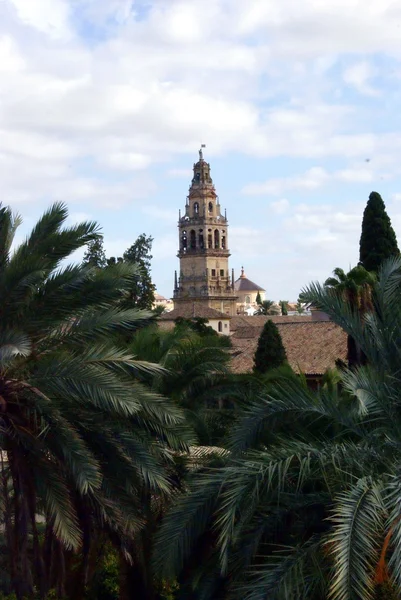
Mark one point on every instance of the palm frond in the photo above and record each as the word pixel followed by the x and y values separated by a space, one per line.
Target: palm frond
pixel 358 521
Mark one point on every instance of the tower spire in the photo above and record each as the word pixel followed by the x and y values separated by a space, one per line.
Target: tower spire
pixel 204 246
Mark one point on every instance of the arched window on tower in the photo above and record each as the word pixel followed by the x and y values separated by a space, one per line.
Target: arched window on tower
pixel 220 326
pixel 210 206
pixel 216 238
pixel 201 243
pixel 184 241
pixel 223 242
pixel 192 239
pixel 196 208
pixel 209 239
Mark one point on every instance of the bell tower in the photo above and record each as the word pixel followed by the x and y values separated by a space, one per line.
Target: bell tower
pixel 204 274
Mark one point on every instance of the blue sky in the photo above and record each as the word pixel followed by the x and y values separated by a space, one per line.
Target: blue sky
pixel 104 105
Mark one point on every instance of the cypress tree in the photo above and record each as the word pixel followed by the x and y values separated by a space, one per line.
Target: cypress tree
pixel 378 240
pixel 270 352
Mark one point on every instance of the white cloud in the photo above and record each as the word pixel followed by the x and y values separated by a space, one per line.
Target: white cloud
pixel 126 161
pixel 358 76
pixel 85 119
pixel 280 207
pixel 47 16
pixel 315 178
pixel 311 180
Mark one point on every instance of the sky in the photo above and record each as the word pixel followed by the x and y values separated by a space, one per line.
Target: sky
pixel 104 105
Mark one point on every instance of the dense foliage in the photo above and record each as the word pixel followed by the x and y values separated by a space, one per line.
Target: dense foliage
pixel 355 288
pixel 270 352
pixel 95 255
pixel 306 503
pixel 82 438
pixel 378 241
pixel 134 464
pixel 142 290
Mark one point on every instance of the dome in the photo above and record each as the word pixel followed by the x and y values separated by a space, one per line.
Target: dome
pixel 243 284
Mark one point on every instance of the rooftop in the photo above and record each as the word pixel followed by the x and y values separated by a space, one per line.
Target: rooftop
pixel 311 347
pixel 193 310
pixel 260 320
pixel 243 284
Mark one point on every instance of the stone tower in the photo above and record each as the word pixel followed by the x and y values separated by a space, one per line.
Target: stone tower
pixel 203 247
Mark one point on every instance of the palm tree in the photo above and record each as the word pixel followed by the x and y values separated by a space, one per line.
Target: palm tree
pixel 264 307
pixel 81 439
pixel 355 287
pixel 196 374
pixel 307 502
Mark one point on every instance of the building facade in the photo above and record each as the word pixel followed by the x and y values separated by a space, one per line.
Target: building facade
pixel 204 276
pixel 247 292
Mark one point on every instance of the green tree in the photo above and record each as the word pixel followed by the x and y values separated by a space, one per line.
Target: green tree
pixel 114 261
pixel 307 503
pixel 94 255
pixel 284 306
pixel 378 240
pixel 70 400
pixel 142 293
pixel 197 374
pixel 264 307
pixel 355 289
pixel 197 324
pixel 270 352
pixel 258 299
pixel 300 307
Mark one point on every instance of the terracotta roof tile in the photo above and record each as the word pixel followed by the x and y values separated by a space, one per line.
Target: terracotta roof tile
pixel 192 310
pixel 312 347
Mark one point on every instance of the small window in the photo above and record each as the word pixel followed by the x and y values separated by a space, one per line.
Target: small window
pixel 225 325
pixel 247 299
pixel 221 272
pixel 196 208
pixel 213 272
pixel 210 207
pixel 220 326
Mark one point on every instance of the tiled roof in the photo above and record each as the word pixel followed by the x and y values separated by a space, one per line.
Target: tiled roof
pixel 243 284
pixel 260 320
pixel 192 310
pixel 311 347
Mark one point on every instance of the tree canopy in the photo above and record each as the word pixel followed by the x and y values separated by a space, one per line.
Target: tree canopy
pixel 378 240
pixel 95 255
pixel 270 352
pixel 82 438
pixel 142 291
